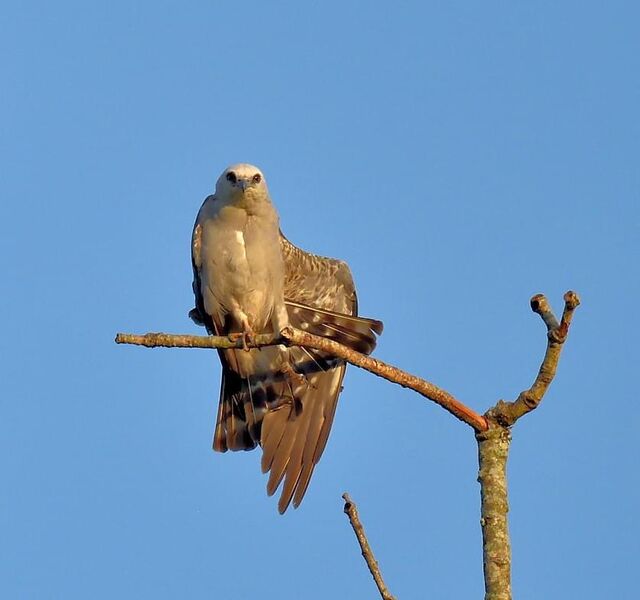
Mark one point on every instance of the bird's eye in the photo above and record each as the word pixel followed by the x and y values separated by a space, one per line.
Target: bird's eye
pixel 231 177
pixel 257 178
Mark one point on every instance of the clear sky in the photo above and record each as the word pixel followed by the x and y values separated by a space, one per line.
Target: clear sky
pixel 461 156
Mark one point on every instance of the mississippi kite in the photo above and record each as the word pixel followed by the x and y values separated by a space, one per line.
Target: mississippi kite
pixel 248 278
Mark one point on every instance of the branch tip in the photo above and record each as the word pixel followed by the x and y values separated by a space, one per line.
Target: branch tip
pixel 571 300
pixel 351 510
pixel 539 303
pixel 507 413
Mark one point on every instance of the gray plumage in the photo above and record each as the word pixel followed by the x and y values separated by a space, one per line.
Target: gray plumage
pixel 248 278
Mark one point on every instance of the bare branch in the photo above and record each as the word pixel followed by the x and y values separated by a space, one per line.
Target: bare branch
pixel 507 413
pixel 297 337
pixel 493 452
pixel 171 340
pixel 492 429
pixel 390 373
pixel 351 511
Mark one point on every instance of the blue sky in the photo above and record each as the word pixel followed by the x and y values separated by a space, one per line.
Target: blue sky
pixel 460 156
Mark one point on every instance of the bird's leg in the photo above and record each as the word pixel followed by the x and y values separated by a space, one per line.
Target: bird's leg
pixel 288 371
pixel 280 318
pixel 245 336
pixel 247 333
pixel 239 335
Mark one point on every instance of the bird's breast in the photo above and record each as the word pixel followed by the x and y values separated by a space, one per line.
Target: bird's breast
pixel 239 271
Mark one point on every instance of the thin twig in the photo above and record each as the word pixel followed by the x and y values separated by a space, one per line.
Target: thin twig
pixel 297 337
pixel 351 511
pixel 390 373
pixel 507 413
pixel 172 340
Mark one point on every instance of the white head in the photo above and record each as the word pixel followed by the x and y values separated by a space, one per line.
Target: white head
pixel 243 185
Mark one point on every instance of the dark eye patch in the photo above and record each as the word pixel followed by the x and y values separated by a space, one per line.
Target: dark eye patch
pixel 231 176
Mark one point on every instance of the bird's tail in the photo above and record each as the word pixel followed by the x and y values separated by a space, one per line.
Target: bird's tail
pixel 289 411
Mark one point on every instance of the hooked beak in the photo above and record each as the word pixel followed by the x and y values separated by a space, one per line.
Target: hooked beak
pixel 243 185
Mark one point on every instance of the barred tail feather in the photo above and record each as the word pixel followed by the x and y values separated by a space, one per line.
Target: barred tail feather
pixel 288 412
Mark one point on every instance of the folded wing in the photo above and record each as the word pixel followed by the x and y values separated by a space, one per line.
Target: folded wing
pixel 321 299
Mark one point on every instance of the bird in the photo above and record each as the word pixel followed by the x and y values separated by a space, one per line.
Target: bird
pixel 248 278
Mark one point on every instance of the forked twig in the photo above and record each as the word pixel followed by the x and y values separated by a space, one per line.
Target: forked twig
pixel 493 451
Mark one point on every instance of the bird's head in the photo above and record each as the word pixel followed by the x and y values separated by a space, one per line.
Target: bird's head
pixel 243 185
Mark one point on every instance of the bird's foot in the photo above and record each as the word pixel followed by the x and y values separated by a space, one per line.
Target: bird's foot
pixel 246 336
pixel 289 372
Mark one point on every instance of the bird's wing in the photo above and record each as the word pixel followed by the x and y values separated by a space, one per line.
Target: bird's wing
pixel 321 299
pixel 199 314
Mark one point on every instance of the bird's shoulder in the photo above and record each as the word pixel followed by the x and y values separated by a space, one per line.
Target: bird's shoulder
pixel 316 280
pixel 196 235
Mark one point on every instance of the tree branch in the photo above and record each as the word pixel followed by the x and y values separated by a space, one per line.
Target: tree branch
pixel 493 451
pixel 393 374
pixel 492 429
pixel 172 340
pixel 296 337
pixel 351 511
pixel 507 413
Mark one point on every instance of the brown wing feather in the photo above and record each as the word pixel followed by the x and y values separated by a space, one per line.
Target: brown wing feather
pixel 320 298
